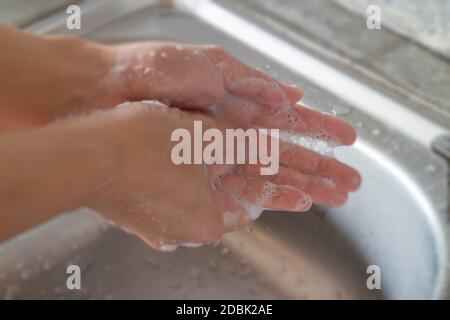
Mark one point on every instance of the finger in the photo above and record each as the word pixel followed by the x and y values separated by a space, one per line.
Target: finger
pixel 266 194
pixel 293 92
pixel 235 215
pixel 306 121
pixel 181 76
pixel 312 163
pixel 156 243
pixel 295 119
pixel 322 190
pixel 250 83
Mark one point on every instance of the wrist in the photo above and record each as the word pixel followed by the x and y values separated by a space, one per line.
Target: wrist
pixel 48 77
pixel 84 69
pixel 116 136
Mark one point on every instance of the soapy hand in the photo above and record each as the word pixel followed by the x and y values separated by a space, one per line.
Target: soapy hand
pixel 145 196
pixel 207 79
pixel 190 77
pixel 153 204
pixel 206 83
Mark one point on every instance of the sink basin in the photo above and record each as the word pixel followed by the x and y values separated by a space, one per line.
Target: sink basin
pixel 396 221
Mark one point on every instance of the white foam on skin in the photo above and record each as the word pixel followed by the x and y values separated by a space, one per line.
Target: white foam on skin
pixel 253 211
pixel 191 245
pixel 230 219
pixel 232 107
pixel 310 142
pixel 168 247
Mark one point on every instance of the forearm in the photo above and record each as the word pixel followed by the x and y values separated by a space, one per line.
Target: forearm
pixel 43 78
pixel 51 169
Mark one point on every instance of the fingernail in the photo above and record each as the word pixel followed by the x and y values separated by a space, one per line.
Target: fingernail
pixel 294 93
pixel 355 182
pixel 303 203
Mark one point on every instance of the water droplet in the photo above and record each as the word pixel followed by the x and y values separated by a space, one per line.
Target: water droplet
pixel 164 55
pixel 376 132
pixel 340 110
pixel 153 263
pixel 395 147
pixel 224 252
pixel 430 168
pixel 213 265
pixel 359 124
pixel 24 275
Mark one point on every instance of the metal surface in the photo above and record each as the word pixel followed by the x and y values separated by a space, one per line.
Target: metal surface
pixel 398 220
pixel 403 70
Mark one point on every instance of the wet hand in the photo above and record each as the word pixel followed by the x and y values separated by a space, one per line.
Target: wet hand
pixel 208 78
pixel 167 204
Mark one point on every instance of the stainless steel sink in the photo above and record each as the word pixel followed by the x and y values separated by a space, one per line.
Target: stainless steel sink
pixel 397 220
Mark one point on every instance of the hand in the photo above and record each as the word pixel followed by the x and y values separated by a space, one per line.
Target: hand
pixel 145 196
pixel 190 77
pixel 198 77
